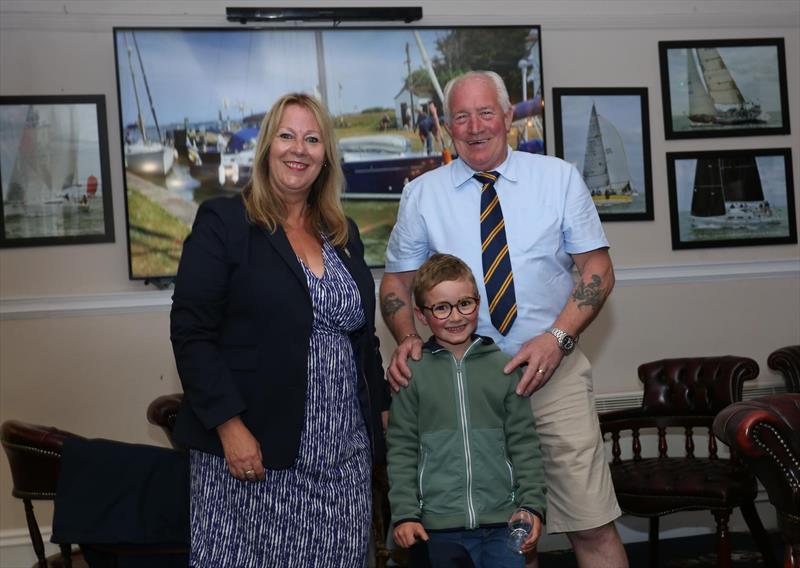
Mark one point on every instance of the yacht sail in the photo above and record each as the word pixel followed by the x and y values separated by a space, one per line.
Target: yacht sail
pixel 701 105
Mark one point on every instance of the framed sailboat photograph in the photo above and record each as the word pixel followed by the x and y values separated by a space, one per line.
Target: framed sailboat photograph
pixel 56 187
pixel 605 134
pixel 729 198
pixel 192 101
pixel 731 87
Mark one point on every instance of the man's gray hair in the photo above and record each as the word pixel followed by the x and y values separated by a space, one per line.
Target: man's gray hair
pixel 499 85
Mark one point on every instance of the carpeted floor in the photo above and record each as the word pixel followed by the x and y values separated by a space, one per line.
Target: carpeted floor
pixel 689 552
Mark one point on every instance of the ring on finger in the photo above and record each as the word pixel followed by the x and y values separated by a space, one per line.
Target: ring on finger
pixel 250 474
pixel 540 371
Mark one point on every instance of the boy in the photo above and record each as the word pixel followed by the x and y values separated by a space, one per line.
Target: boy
pixel 463 453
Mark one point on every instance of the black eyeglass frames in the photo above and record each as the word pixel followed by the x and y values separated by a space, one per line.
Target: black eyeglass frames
pixel 465 307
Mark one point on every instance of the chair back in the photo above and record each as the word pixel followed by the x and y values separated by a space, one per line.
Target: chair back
pixel 786 361
pixel 694 386
pixel 34 456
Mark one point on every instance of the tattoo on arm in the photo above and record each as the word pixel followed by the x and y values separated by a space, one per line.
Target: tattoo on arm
pixel 391 304
pixel 589 294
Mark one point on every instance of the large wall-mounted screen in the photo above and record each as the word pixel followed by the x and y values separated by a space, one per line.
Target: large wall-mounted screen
pixel 191 102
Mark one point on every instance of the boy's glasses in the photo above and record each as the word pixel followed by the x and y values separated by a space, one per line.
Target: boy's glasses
pixel 442 310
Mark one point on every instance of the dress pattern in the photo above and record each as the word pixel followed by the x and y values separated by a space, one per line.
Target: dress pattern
pixel 316 513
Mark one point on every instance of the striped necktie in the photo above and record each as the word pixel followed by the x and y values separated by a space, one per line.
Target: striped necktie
pixel 497 275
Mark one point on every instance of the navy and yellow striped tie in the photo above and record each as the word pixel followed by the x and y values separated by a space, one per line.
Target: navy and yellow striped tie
pixel 497 274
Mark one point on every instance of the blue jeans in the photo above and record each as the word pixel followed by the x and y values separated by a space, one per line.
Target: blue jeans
pixel 486 547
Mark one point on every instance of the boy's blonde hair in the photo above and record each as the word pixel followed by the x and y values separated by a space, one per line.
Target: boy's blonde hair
pixel 437 269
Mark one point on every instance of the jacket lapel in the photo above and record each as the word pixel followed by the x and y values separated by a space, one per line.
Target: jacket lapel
pixel 281 244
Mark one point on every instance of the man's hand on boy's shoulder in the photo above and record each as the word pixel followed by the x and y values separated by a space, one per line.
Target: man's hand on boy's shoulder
pixel 407 533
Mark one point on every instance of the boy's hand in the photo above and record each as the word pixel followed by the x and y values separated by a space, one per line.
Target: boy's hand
pixel 530 543
pixel 406 534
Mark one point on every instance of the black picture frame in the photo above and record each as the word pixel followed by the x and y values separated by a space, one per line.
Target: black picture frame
pixel 54 172
pixel 750 96
pixel 373 80
pixel 714 198
pixel 622 182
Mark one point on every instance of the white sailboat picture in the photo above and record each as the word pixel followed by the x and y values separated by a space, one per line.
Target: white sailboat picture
pixel 52 171
pixel 605 164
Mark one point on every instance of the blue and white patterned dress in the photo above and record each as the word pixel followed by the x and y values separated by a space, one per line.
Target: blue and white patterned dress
pixel 316 513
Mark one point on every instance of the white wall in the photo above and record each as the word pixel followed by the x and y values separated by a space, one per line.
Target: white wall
pixel 85 349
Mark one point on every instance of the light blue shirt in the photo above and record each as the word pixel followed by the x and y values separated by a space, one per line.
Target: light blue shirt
pixel 549 215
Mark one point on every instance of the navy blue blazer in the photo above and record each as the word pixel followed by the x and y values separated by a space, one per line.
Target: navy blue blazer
pixel 240 328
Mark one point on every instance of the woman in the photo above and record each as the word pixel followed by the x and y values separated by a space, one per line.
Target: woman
pixel 273 333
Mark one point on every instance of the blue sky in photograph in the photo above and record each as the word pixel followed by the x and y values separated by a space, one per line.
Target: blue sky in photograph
pixel 755 70
pixel 191 73
pixel 770 168
pixel 624 112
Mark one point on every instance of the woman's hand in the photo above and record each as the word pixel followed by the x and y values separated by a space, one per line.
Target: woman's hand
pixel 406 534
pixel 242 451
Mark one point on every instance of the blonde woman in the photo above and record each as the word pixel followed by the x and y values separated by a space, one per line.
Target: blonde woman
pixel 272 327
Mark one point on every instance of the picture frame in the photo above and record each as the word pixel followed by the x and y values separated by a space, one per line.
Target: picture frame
pixel 605 133
pixel 54 172
pixel 382 85
pixel 728 87
pixel 729 198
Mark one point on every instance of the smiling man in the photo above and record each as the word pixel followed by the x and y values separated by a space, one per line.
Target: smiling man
pixel 521 222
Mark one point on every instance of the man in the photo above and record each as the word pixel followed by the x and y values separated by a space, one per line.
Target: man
pixel 547 224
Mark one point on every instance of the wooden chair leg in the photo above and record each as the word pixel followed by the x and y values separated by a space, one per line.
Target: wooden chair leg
pixel 723 539
pixel 33 529
pixel 791 557
pixel 759 534
pixel 653 542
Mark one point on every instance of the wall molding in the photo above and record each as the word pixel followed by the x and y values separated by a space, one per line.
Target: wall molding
pixel 120 303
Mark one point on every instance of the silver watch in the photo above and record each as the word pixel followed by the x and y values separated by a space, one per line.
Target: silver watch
pixel 565 341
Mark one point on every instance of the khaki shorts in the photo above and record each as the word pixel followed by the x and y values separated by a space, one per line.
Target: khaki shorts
pixel 580 493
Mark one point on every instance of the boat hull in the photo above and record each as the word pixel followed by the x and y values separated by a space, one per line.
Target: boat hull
pixel 155 161
pixel 385 176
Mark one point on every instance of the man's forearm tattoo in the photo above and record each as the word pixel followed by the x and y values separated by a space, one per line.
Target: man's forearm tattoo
pixel 592 294
pixel 391 304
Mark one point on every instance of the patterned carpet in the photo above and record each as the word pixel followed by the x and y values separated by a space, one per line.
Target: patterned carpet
pixel 689 552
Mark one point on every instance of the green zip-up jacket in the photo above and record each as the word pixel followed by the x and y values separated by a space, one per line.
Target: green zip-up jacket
pixel 462 447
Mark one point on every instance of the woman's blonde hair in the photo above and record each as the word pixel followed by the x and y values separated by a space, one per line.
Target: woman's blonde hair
pixel 265 207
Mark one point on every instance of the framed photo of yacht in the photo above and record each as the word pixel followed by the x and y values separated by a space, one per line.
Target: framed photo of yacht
pixel 730 198
pixel 56 188
pixel 605 133
pixel 192 101
pixel 730 87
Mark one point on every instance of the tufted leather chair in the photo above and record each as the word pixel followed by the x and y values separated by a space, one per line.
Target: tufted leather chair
pixel 765 432
pixel 34 454
pixel 684 395
pixel 786 361
pixel 163 411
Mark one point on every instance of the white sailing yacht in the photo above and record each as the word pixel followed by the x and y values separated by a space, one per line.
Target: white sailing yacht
pixel 605 164
pixel 145 156
pixel 45 171
pixel 716 98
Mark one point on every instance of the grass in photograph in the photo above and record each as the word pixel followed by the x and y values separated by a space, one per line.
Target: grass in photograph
pixel 156 237
pixel 375 219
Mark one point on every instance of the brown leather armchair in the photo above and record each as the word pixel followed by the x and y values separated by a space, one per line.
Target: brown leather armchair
pixel 786 361
pixel 765 432
pixel 163 411
pixel 685 395
pixel 34 455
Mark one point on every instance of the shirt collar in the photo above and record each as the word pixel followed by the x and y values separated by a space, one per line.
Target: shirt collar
pixel 461 173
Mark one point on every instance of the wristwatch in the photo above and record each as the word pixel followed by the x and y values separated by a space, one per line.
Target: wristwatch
pixel 565 341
